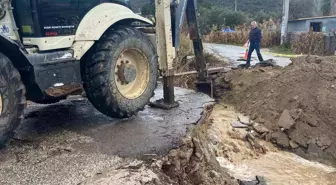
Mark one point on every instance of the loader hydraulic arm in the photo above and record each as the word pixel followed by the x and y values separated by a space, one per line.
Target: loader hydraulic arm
pixel 170 16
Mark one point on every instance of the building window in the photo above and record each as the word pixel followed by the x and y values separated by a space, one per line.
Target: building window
pixel 316 26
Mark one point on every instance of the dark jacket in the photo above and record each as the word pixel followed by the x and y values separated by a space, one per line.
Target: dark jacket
pixel 255 35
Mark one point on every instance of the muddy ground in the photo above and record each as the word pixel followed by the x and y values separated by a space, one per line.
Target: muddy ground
pixel 296 103
pixel 72 143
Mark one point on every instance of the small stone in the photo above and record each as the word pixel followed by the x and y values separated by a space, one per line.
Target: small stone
pixel 296 113
pixel 253 116
pixel 199 155
pixel 294 99
pixel 333 86
pixel 311 120
pixel 281 139
pixel 238 125
pixel 285 121
pixel 314 149
pixel 244 119
pixel 213 174
pixel 268 137
pixel 261 120
pixel 311 140
pixel 236 150
pixel 293 144
pixel 275 115
pixel 261 70
pixel 200 178
pixel 260 128
pixel 323 141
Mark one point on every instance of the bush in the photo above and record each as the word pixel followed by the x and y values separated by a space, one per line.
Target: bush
pixel 270 30
pixel 308 43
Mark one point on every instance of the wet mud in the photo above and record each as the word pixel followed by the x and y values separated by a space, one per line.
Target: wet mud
pixel 70 141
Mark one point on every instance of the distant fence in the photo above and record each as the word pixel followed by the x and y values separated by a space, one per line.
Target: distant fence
pixel 330 45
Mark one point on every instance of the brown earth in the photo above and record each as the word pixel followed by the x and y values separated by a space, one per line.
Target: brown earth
pixel 194 162
pixel 296 103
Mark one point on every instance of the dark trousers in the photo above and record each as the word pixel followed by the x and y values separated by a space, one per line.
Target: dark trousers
pixel 254 46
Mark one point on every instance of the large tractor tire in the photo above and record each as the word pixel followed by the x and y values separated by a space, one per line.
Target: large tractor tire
pixel 121 72
pixel 12 99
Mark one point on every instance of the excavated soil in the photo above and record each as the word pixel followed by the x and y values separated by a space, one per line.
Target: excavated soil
pixel 296 103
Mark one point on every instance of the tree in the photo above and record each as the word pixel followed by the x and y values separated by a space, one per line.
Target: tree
pixel 148 9
pixel 301 9
pixel 326 7
pixel 262 16
pixel 215 18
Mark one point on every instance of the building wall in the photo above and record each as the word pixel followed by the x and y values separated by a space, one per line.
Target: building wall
pixel 328 25
pixel 297 26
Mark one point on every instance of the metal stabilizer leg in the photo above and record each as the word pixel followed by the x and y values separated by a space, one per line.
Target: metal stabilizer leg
pixel 168 101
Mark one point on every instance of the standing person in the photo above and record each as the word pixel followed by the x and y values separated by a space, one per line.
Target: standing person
pixel 255 39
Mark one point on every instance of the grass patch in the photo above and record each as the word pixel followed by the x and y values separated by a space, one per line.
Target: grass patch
pixel 282 49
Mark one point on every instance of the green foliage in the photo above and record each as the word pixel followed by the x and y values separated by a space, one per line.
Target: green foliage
pixel 250 7
pixel 148 9
pixel 326 7
pixel 301 8
pixel 215 18
pixel 262 16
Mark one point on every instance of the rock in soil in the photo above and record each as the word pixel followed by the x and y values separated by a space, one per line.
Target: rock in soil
pixel 286 121
pixel 280 139
pixel 260 129
pixel 244 119
pixel 323 141
pixel 293 144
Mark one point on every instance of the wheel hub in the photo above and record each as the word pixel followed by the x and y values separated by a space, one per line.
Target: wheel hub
pixel 132 73
pixel 126 72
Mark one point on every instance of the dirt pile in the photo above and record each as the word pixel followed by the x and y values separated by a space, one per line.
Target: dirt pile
pixel 297 103
pixel 194 162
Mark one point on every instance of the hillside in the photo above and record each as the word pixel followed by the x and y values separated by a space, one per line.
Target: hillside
pixel 249 6
pixel 137 4
pixel 243 5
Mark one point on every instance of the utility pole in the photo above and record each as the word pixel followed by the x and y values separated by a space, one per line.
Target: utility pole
pixel 236 5
pixel 285 15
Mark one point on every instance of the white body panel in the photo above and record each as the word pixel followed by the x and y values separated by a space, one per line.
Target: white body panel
pixel 50 43
pixel 101 17
pixel 91 28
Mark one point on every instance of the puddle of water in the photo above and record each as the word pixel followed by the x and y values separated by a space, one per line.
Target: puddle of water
pixel 278 167
pixel 282 168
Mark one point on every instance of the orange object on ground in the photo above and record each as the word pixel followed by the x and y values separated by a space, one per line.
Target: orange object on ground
pixel 246 54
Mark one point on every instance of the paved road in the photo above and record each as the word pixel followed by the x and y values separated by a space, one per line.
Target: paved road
pixel 233 53
pixel 69 142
